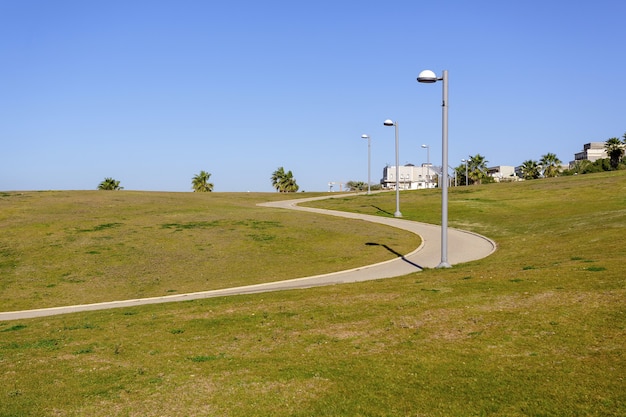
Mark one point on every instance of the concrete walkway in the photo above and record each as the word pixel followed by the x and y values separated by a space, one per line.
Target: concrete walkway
pixel 462 247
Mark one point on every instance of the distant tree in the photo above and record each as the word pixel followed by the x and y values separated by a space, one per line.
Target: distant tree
pixel 356 186
pixel 578 167
pixel 459 173
pixel 277 177
pixel 550 165
pixel 200 183
pixel 530 170
pixel 109 184
pixel 477 169
pixel 600 165
pixel 615 150
pixel 288 184
pixel 284 182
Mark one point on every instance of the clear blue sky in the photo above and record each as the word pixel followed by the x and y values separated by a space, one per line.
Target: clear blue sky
pixel 150 92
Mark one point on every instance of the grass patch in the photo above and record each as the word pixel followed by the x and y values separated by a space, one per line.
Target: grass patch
pixel 205 358
pixel 101 227
pixel 595 268
pixel 486 338
pixel 14 328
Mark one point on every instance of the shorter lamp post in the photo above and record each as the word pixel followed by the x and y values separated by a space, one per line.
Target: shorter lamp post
pixel 369 160
pixel 427 153
pixel 390 122
pixel 427 164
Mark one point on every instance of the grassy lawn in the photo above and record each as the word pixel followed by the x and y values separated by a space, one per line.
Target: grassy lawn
pixel 64 248
pixel 536 329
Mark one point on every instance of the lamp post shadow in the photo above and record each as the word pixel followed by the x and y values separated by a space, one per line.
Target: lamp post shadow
pixel 399 255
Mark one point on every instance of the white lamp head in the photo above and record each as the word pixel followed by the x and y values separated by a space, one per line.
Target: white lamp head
pixel 427 76
pixel 424 146
pixel 364 136
pixel 388 122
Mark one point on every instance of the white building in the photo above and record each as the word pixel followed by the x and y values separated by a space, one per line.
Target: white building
pixel 503 173
pixel 410 177
pixel 591 152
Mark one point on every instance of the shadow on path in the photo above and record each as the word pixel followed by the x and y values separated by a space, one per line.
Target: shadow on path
pixel 398 254
pixel 382 211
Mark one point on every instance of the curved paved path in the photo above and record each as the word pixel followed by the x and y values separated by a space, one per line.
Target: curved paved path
pixel 462 247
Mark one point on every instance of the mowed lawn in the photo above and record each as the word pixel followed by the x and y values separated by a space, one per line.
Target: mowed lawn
pixel 536 329
pixel 75 247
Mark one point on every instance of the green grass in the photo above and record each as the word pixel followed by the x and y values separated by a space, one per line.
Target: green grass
pixel 536 329
pixel 62 248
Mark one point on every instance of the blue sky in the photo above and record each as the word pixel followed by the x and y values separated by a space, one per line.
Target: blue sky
pixel 152 92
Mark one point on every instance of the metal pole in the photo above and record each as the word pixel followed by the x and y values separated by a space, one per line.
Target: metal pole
pixel 466 179
pixel 427 165
pixel 444 191
pixel 369 163
pixel 397 213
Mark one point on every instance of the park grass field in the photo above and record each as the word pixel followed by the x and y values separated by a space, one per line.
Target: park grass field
pixel 78 247
pixel 536 329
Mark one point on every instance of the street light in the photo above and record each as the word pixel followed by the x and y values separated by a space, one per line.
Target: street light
pixel 427 164
pixel 369 160
pixel 465 160
pixel 390 122
pixel 427 76
pixel 427 153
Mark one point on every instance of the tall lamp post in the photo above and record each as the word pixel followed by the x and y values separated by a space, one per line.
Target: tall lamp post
pixel 427 76
pixel 369 160
pixel 390 122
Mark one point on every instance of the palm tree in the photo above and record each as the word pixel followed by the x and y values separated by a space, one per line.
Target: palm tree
pixel 615 150
pixel 200 183
pixel 288 183
pixel 109 184
pixel 277 178
pixel 580 167
pixel 459 173
pixel 550 164
pixel 477 168
pixel 530 170
pixel 284 182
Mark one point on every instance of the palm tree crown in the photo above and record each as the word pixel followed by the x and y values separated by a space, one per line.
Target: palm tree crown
pixel 550 164
pixel 109 184
pixel 615 150
pixel 284 182
pixel 530 170
pixel 477 168
pixel 200 183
